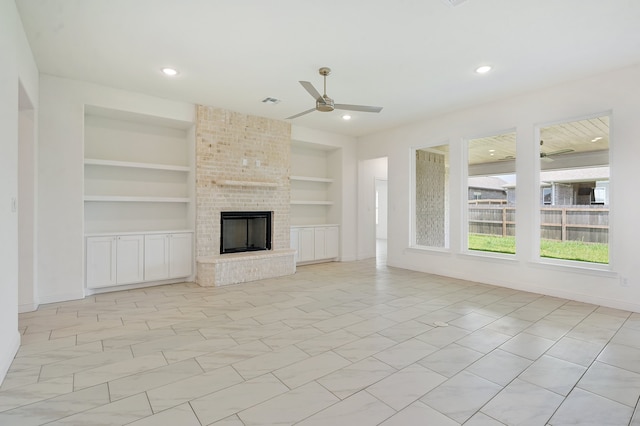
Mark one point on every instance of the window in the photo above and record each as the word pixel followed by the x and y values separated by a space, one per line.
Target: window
pixel 431 214
pixel 491 197
pixel 546 196
pixel 574 169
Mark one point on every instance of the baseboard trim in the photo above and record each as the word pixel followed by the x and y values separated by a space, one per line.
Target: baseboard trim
pixel 599 300
pixel 55 298
pixel 6 358
pixel 124 287
pixel 27 307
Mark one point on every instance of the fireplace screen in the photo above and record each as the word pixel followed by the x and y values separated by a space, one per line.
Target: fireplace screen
pixel 245 231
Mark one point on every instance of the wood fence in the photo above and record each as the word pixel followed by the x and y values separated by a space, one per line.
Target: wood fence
pixel 566 223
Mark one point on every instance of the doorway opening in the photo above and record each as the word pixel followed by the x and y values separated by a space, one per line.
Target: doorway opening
pixel 381 210
pixel 372 210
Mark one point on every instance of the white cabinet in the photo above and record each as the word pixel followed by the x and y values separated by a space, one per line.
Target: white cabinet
pixel 315 243
pixel 167 256
pixel 180 255
pixel 156 257
pixel 326 242
pixel 114 260
pixel 129 259
pixel 101 261
pixel 302 241
pixel 306 245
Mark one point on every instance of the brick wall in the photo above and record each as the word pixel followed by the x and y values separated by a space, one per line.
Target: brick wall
pixel 223 140
pixel 430 199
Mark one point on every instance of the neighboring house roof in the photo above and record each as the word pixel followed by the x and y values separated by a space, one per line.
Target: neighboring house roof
pixel 487 182
pixel 575 175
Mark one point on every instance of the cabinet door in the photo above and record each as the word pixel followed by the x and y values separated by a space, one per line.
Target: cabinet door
pixel 180 255
pixel 295 244
pixel 319 243
pixel 130 259
pixel 332 242
pixel 156 257
pixel 306 246
pixel 101 261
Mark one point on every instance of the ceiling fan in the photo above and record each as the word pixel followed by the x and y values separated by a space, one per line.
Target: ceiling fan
pixel 324 103
pixel 544 156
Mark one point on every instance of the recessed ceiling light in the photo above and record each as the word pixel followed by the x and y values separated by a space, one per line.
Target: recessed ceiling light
pixel 492 150
pixel 171 72
pixel 346 117
pixel 483 69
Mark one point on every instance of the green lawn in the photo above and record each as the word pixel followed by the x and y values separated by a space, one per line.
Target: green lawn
pixel 569 250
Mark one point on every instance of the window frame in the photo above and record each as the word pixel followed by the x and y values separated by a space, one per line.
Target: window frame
pixel 413 201
pixel 465 191
pixel 537 259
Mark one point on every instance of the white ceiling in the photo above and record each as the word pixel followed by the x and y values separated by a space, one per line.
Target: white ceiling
pixel 415 58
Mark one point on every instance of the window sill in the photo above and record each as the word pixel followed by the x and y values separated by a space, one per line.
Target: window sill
pixel 574 266
pixel 430 250
pixel 489 255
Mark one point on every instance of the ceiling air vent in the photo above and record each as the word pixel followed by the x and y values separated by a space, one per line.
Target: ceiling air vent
pixel 270 101
pixel 454 3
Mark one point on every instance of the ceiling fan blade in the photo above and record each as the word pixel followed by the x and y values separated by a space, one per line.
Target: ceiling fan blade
pixel 302 113
pixel 312 91
pixel 362 108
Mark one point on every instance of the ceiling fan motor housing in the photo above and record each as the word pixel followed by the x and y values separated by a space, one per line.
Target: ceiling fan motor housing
pixel 325 105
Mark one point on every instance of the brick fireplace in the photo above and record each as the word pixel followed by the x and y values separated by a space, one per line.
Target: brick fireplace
pixel 242 164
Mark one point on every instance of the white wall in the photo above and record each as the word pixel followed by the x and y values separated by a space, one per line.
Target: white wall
pixel 618 92
pixel 368 171
pixel 345 174
pixel 27 199
pixel 60 174
pixel 382 191
pixel 17 66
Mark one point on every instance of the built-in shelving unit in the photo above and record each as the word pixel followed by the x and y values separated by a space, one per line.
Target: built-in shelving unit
pixel 138 172
pixel 139 187
pixel 314 184
pixel 315 202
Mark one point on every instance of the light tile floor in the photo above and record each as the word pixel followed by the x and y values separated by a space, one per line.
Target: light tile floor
pixel 335 344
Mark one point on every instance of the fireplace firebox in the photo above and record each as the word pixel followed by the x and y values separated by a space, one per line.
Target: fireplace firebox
pixel 245 231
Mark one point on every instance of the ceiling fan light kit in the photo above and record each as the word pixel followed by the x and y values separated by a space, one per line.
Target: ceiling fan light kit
pixel 324 103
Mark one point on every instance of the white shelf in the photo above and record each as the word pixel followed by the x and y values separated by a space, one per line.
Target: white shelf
pixel 247 183
pixel 111 234
pixel 112 163
pixel 314 225
pixel 311 179
pixel 135 199
pixel 311 203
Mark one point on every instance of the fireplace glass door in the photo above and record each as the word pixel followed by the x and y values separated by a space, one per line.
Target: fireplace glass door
pixel 245 231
